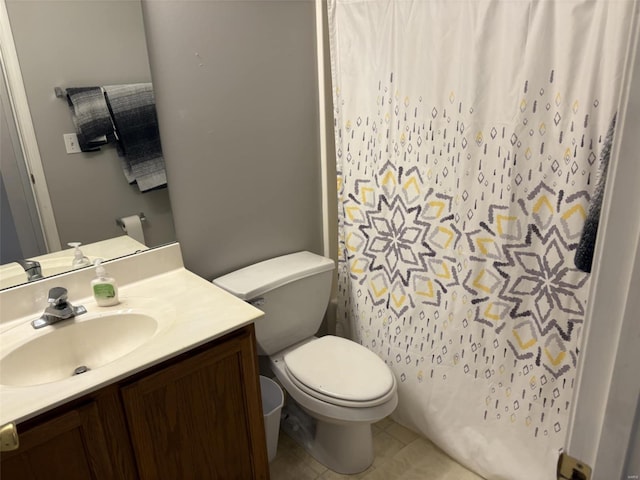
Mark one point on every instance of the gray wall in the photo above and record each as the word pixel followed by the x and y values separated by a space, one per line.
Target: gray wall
pixel 20 232
pixel 10 249
pixel 236 89
pixel 83 43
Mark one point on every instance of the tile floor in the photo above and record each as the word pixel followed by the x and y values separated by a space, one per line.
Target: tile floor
pixel 400 455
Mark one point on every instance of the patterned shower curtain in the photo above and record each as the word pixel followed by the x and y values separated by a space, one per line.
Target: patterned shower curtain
pixel 469 140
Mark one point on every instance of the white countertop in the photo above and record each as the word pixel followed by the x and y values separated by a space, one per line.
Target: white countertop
pixel 195 312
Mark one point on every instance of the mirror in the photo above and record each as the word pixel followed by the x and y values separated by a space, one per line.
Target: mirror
pixel 42 266
pixel 66 43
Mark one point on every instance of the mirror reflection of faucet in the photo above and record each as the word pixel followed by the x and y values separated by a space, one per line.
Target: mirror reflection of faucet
pixel 79 259
pixel 31 268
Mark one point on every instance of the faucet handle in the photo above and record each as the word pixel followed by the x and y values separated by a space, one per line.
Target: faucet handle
pixel 57 296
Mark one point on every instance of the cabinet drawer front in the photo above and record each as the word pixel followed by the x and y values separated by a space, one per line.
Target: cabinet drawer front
pixel 70 446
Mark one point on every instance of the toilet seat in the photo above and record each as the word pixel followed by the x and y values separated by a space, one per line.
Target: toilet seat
pixel 340 372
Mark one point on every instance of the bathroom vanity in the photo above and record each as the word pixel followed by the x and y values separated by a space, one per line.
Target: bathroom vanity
pixel 185 403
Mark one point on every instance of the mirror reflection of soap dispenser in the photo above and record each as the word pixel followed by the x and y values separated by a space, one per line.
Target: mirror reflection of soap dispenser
pixel 79 259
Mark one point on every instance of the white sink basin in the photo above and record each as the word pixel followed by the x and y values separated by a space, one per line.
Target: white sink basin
pixel 84 342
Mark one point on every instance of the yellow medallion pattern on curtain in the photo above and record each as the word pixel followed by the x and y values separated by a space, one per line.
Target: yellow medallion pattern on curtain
pixel 468 144
pixel 490 257
pixel 412 238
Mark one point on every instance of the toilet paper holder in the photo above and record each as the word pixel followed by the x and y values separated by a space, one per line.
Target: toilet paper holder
pixel 120 221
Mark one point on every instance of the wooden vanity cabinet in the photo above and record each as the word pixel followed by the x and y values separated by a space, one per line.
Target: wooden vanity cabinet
pixel 197 416
pixel 71 445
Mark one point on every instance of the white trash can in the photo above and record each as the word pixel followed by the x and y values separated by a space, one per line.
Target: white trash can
pixel 272 401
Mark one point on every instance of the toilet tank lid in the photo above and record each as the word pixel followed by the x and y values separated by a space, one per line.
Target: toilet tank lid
pixel 255 280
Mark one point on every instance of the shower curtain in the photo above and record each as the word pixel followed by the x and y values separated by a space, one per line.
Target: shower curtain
pixel 469 139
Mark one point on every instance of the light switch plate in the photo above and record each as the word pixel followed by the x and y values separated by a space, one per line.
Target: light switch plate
pixel 71 143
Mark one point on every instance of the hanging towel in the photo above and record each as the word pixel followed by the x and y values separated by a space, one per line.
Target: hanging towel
pixel 90 117
pixel 134 116
pixel 584 253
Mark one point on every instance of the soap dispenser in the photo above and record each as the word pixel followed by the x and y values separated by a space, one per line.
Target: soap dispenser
pixel 104 287
pixel 79 259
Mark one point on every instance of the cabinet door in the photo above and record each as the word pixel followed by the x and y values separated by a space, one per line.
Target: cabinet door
pixel 68 447
pixel 200 418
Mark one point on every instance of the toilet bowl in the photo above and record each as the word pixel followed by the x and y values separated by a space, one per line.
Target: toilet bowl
pixel 336 387
pixel 340 421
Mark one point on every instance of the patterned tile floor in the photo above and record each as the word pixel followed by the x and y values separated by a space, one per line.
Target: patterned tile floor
pixel 400 455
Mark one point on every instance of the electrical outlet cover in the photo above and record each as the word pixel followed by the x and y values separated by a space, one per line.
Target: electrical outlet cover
pixel 71 143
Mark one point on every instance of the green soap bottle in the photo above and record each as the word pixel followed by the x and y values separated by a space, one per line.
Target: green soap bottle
pixel 104 287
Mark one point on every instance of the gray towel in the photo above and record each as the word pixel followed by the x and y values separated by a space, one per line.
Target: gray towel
pixel 134 116
pixel 586 246
pixel 91 117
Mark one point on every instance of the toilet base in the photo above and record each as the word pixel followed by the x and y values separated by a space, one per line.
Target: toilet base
pixel 343 448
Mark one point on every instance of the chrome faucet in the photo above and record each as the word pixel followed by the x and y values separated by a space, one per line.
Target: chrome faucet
pixel 59 309
pixel 32 269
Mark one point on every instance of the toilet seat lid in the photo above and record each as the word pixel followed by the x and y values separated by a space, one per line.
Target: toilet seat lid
pixel 341 369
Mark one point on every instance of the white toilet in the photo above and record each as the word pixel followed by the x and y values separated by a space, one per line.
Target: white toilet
pixel 339 387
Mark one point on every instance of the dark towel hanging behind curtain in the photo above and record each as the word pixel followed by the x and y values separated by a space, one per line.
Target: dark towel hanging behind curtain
pixel 586 246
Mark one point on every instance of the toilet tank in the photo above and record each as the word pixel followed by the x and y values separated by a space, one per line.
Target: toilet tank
pixel 293 292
